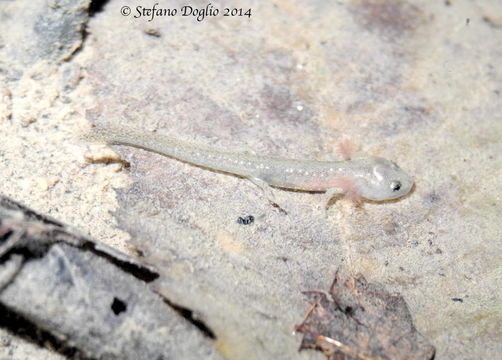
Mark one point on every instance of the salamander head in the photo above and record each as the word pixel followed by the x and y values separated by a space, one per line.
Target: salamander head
pixel 384 180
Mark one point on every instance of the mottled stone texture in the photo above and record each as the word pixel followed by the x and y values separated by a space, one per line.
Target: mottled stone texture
pixel 83 299
pixel 417 82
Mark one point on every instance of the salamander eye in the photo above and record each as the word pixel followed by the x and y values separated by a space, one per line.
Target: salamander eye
pixel 395 185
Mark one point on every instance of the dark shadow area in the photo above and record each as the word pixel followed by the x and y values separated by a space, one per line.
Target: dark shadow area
pixel 189 316
pixel 135 270
pixel 96 6
pixel 118 306
pixel 27 330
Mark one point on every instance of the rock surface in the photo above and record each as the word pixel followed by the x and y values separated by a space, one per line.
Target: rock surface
pixel 416 82
pixel 82 299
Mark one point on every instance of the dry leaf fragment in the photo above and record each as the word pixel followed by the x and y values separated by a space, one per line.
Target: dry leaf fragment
pixel 360 320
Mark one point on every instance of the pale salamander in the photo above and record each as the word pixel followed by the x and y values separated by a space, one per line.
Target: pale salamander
pixel 358 176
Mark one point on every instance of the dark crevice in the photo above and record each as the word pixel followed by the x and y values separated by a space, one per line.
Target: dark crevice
pixel 96 6
pixel 348 310
pixel 5 236
pixel 139 272
pixel 25 252
pixel 118 306
pixel 28 250
pixel 27 330
pixel 189 316
pixel 28 213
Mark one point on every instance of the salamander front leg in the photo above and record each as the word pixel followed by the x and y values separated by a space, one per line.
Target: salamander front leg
pixel 267 191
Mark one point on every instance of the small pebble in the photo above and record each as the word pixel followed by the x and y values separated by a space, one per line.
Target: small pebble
pixel 246 220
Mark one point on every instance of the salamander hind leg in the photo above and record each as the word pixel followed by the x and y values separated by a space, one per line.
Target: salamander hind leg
pixel 329 195
pixel 267 191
